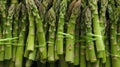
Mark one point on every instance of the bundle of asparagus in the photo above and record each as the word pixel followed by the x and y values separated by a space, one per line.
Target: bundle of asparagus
pixel 59 33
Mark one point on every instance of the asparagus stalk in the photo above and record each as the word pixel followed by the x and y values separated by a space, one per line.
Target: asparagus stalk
pixel 40 31
pixel 89 41
pixel 60 29
pixel 51 38
pixel 82 43
pixel 8 48
pixel 15 34
pixel 21 40
pixel 103 8
pixel 113 42
pixel 77 45
pixel 31 34
pixel 96 27
pixel 70 41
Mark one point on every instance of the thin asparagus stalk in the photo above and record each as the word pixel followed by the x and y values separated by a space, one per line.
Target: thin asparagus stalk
pixel 56 7
pixel 21 40
pixel 15 34
pixel 82 43
pixel 96 27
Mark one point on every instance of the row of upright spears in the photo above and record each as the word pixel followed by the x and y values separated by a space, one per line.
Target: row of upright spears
pixel 59 33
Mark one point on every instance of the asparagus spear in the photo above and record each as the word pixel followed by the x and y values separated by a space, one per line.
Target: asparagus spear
pixel 51 38
pixel 31 34
pixel 70 41
pixel 21 40
pixel 56 8
pixel 90 47
pixel 8 48
pixel 102 10
pixel 60 28
pixel 113 26
pixel 96 27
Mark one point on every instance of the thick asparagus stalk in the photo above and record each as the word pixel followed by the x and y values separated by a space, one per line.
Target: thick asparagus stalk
pixel 69 57
pixel 96 27
pixel 102 10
